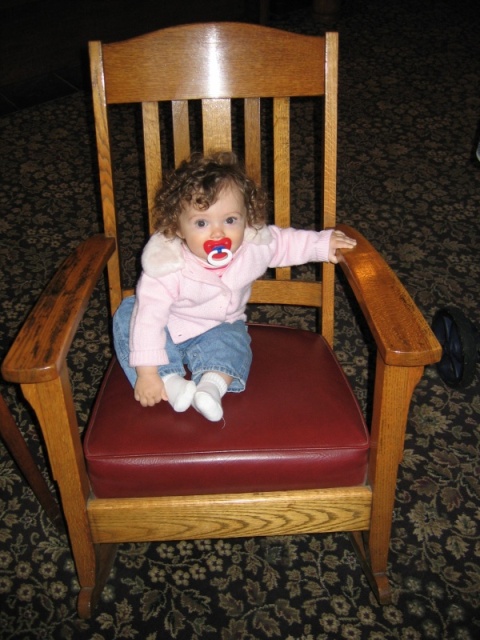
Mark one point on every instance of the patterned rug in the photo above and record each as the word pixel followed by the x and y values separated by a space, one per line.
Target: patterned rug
pixel 408 122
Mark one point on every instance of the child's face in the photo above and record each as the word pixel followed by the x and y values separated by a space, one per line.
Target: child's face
pixel 226 218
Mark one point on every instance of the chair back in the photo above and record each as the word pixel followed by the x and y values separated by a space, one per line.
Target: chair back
pixel 226 86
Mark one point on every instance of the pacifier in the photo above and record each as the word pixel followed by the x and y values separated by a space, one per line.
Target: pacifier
pixel 218 252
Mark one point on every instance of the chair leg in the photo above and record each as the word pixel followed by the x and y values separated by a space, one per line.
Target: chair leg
pixel 394 387
pixel 89 595
pixel 10 434
pixel 379 583
pixel 53 404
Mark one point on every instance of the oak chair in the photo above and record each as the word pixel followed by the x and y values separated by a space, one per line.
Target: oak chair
pixel 285 463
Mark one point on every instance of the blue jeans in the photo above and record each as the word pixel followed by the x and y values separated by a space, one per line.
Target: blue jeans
pixel 225 349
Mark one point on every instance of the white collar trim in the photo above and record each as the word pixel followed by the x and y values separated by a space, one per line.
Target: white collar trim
pixel 162 255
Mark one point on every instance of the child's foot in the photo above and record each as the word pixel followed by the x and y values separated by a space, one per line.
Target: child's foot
pixel 180 392
pixel 208 397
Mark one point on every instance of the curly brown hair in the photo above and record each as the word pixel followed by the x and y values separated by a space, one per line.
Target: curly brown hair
pixel 198 182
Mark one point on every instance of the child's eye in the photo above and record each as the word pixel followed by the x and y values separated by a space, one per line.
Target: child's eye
pixel 231 220
pixel 200 223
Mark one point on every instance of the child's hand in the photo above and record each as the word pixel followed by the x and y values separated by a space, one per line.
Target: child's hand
pixel 149 388
pixel 338 240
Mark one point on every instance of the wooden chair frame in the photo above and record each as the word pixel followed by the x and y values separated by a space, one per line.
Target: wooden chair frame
pixel 404 341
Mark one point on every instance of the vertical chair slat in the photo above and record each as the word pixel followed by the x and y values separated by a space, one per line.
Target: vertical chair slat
pixel 281 179
pixel 153 165
pixel 105 170
pixel 330 178
pixel 181 131
pixel 253 163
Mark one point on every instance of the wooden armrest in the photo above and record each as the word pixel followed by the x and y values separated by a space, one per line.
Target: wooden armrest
pixel 42 344
pixel 401 333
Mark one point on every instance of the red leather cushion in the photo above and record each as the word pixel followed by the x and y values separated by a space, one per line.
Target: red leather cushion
pixel 296 426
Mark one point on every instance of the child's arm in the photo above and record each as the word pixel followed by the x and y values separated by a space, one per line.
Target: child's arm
pixel 338 240
pixel 151 310
pixel 149 387
pixel 298 246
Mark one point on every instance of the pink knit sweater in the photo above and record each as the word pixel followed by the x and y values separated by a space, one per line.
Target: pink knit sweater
pixel 178 291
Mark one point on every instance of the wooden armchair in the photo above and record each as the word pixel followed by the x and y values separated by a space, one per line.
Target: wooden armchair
pixel 301 461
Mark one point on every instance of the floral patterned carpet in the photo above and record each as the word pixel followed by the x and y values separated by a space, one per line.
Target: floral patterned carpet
pixel 408 122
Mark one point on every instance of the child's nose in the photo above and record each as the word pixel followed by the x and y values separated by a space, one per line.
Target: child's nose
pixel 216 231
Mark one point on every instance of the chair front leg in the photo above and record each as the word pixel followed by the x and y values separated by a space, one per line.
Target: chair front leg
pixel 394 387
pixel 53 404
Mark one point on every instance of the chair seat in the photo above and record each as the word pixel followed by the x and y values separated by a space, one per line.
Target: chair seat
pixel 282 433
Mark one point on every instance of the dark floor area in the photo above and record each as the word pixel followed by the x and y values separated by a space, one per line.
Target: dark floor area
pixel 38 89
pixel 43 43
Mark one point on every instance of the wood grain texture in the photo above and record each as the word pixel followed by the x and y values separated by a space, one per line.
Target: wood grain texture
pixel 235 515
pixel 105 169
pixel 253 151
pixel 401 333
pixel 217 125
pixel 330 179
pixel 153 165
pixel 394 387
pixel 273 63
pixel 40 350
pixel 181 130
pixel 294 292
pixel 54 407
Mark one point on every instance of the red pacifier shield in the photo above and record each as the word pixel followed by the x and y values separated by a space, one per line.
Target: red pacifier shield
pixel 217 245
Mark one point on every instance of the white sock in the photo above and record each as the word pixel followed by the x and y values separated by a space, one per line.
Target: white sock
pixel 208 397
pixel 180 392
